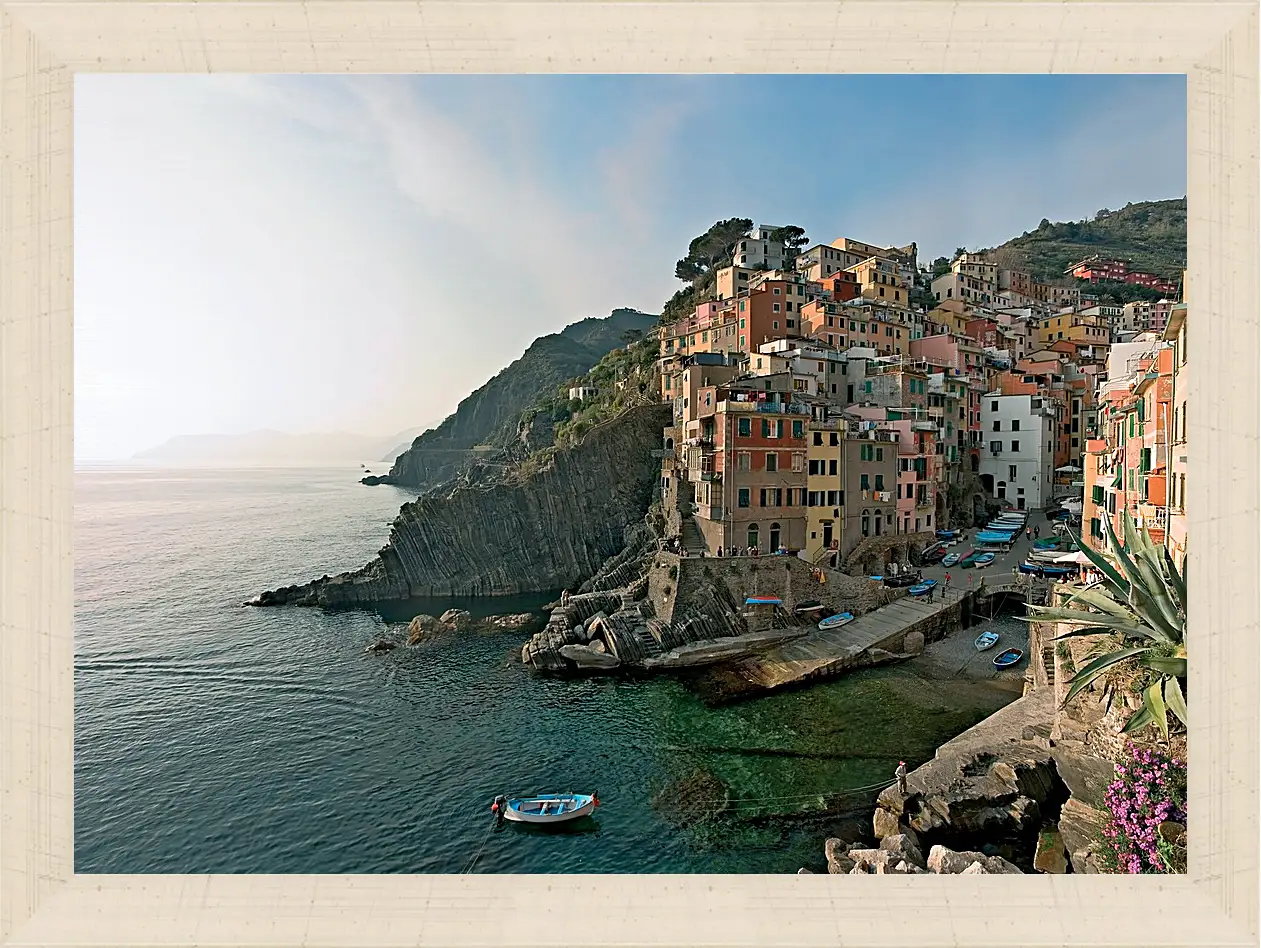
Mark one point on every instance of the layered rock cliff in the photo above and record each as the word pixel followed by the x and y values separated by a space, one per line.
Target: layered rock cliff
pixel 492 415
pixel 549 529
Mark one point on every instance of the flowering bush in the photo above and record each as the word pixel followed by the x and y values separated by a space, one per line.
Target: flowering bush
pixel 1150 789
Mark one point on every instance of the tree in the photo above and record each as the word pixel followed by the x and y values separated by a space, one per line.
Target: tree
pixel 940 265
pixel 1142 607
pixel 794 240
pixel 711 248
pixel 960 251
pixel 632 336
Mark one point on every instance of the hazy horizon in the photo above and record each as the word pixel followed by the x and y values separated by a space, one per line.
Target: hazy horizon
pixel 323 254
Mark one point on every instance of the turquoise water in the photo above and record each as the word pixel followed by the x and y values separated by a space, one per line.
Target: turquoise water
pixel 210 737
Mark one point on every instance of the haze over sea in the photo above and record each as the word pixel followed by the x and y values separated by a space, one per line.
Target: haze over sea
pixel 211 737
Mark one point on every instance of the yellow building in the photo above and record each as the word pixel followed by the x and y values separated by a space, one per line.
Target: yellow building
pixel 879 279
pixel 824 484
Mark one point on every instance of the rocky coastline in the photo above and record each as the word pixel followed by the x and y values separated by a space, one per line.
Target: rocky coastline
pixel 550 528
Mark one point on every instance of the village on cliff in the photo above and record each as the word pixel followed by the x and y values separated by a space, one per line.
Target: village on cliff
pixel 823 407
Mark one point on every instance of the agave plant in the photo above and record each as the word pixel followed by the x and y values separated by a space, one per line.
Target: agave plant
pixel 1143 601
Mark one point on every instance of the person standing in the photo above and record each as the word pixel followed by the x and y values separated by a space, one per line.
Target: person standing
pixel 900 773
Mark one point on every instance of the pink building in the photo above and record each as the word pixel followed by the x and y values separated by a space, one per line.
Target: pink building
pixel 917 452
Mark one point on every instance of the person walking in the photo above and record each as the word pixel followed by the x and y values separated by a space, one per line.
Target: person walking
pixel 900 773
pixel 1037 532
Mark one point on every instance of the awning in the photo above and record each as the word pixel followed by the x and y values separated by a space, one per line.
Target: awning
pixel 1077 556
pixel 1068 469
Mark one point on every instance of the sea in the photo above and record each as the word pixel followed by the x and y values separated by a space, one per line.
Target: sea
pixel 211 736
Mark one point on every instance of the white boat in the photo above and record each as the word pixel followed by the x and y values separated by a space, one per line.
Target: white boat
pixel 547 807
pixel 986 640
pixel 835 622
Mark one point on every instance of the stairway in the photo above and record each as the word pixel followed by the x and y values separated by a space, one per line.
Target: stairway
pixel 693 541
pixel 1048 662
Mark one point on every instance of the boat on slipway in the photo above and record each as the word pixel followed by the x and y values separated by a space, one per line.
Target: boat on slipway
pixel 836 621
pixel 986 640
pixel 1008 658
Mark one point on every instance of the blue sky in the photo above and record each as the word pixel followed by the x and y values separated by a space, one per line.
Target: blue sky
pixel 319 253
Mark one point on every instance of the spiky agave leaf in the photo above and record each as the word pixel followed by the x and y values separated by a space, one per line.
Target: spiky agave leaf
pixel 1109 571
pixel 1154 702
pixel 1177 580
pixel 1090 672
pixel 1166 665
pixel 1156 589
pixel 1138 720
pixel 1174 699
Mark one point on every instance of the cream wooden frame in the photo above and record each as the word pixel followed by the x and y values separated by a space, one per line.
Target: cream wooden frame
pixel 44 43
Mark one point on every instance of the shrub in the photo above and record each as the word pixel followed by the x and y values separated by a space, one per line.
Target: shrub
pixel 1150 789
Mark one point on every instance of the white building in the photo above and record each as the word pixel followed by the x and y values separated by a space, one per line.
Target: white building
pixel 583 392
pixel 758 252
pixel 1018 462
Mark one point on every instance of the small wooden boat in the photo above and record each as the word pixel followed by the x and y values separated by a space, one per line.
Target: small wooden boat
pixel 548 807
pixel 950 559
pixel 985 559
pixel 920 589
pixel 835 622
pixel 969 561
pixel 986 640
pixel 809 605
pixel 1008 658
pixel 763 601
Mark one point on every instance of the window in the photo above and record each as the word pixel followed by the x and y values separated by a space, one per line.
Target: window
pixel 798 462
pixel 798 429
pixel 772 461
pixel 742 499
pixel 775 324
pixel 996 446
pixel 832 498
pixel 1015 424
pixel 832 467
pixel 744 461
pixel 993 406
pixel 766 428
pixel 818 438
pixel 746 427
pixel 833 439
pixel 775 309
pixel 1015 445
pixel 762 497
pixel 1011 472
pixel 879 482
pixel 865 482
pixel 998 426
pixel 779 427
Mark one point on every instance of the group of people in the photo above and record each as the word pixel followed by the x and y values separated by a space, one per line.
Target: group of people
pixel 1032 533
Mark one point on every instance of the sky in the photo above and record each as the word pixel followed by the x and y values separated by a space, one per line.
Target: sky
pixel 358 253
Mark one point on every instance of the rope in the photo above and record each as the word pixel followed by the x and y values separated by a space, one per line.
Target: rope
pixel 477 855
pixel 813 796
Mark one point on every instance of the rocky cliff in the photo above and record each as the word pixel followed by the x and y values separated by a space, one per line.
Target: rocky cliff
pixel 493 414
pixel 549 529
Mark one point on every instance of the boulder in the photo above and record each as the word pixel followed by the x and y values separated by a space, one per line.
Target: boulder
pixel 597 645
pixel 1050 856
pixel 456 618
pixel 909 869
pixel 904 846
pixel 913 643
pixel 803 871
pixel 948 862
pixel 976 869
pixel 839 861
pixel 1080 826
pixel 885 823
pixel 519 620
pixel 419 627
pixel 588 659
pixel 1086 775
pixel 381 645
pixel 868 860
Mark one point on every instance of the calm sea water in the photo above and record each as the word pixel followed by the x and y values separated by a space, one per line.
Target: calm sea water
pixel 210 737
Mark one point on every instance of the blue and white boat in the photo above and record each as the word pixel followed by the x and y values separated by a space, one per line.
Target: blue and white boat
pixel 985 559
pixel 950 560
pixel 548 807
pixel 1008 658
pixel 835 622
pixel 986 640
pixel 921 589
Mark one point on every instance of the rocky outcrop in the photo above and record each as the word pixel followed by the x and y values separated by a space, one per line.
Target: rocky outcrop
pixel 552 529
pixel 901 855
pixel 493 414
pixel 994 783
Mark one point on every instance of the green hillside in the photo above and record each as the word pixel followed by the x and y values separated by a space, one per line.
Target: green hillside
pixel 1152 235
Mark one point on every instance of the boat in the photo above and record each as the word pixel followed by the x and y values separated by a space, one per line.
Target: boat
pixel 809 605
pixel 994 536
pixel 1008 658
pixel 1058 570
pixel 902 579
pixel 763 601
pixel 947 534
pixel 547 807
pixel 985 559
pixel 950 559
pixel 919 589
pixel 969 561
pixel 836 621
pixel 986 640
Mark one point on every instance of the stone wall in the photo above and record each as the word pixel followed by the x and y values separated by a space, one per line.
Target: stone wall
pixel 874 553
pixel 549 530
